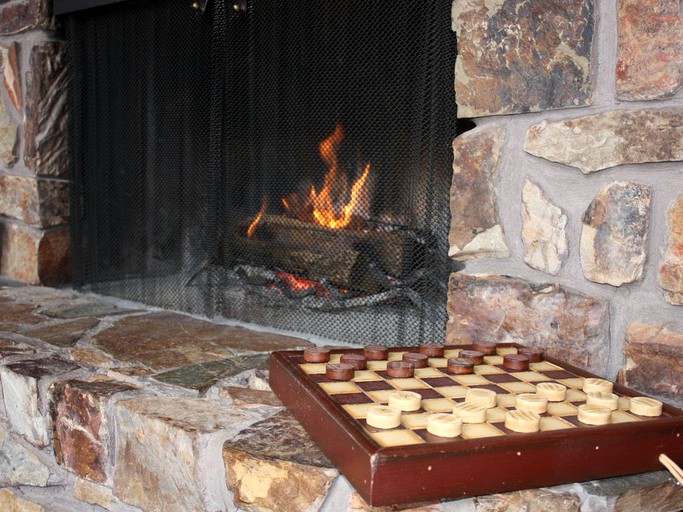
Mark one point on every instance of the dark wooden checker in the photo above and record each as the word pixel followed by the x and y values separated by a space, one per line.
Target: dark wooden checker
pixel 433 468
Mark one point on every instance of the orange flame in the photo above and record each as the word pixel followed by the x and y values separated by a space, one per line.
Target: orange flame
pixel 252 227
pixel 325 204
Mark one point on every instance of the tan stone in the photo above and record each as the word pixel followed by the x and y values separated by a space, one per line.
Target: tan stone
pixel 670 276
pixel 614 236
pixel 36 202
pixel 246 397
pixel 519 56
pixel 566 324
pixel 64 334
pixel 157 461
pixel 8 136
pixel 11 502
pixel 274 466
pixel 91 357
pixel 600 141
pixel 650 58
pixel 544 235
pixel 358 504
pixel 529 501
pixel 665 497
pixel 654 360
pixel 35 256
pixel 475 230
pixel 93 493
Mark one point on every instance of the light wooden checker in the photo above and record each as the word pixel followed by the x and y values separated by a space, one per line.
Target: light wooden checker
pixel 440 391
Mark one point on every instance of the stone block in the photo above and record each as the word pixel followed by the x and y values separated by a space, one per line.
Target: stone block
pixel 247 397
pixel 529 500
pixel 650 55
pixel 82 434
pixel 15 317
pixel 18 465
pixel 475 230
pixel 158 460
pixel 64 334
pixel 82 307
pixel 544 234
pixel 12 502
pixel 46 112
pixel 23 389
pixel 10 348
pixel 565 323
pixel 654 360
pixel 620 137
pixel 36 202
pixel 614 236
pixel 35 256
pixel 24 15
pixel 518 56
pixel 11 73
pixel 670 276
pixel 170 340
pixel 9 141
pixel 274 466
pixel 358 504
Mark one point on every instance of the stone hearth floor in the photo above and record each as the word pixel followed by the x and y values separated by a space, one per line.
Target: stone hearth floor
pixel 112 407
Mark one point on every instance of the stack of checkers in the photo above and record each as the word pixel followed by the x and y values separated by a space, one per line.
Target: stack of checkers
pixel 440 394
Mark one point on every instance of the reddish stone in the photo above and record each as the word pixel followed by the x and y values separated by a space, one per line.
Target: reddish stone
pixel 36 202
pixel 650 58
pixel 11 74
pixel 654 360
pixel 64 334
pixel 564 323
pixel 81 431
pixel 670 276
pixel 169 340
pixel 35 256
pixel 45 128
pixel 21 314
pixel 25 15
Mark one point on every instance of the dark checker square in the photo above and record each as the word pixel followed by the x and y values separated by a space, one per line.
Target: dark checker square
pixel 320 377
pixel 351 398
pixel 437 382
pixel 558 374
pixel 374 430
pixel 496 389
pixel 374 385
pixel 499 378
pixel 426 393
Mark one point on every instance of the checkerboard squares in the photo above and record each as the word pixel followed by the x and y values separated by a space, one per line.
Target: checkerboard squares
pixel 427 373
pixel 495 415
pixel 493 360
pixel 479 430
pixel 544 366
pixel 437 362
pixel 453 391
pixel 395 356
pixel 553 423
pixel 358 411
pixel 415 421
pixel 518 387
pixel 377 365
pixel 576 382
pixel 313 368
pixel 381 396
pixel 574 395
pixel 531 376
pixel 334 388
pixel 401 437
pixel 623 417
pixel 506 400
pixel 451 352
pixel 503 351
pixel 335 358
pixel 471 380
pixel 487 369
pixel 408 384
pixel 562 409
pixel 437 405
pixel 366 376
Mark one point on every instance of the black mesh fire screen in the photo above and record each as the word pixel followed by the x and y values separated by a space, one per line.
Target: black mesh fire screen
pixel 277 162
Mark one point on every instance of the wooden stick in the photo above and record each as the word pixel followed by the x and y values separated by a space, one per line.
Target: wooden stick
pixel 673 468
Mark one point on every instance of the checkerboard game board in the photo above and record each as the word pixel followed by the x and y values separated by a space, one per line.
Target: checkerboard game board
pixel 320 402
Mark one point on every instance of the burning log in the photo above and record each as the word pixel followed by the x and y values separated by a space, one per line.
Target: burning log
pixel 342 256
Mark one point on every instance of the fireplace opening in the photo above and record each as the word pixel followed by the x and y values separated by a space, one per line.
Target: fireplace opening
pixel 275 162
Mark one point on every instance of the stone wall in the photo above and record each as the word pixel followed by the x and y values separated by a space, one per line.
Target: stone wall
pixel 567 197
pixel 34 202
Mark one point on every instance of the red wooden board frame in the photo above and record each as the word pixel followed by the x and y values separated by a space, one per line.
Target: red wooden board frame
pixel 474 467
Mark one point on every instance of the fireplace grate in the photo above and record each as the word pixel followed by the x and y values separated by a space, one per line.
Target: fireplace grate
pixel 280 163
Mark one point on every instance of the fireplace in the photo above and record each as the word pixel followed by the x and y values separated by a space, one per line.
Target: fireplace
pixel 279 163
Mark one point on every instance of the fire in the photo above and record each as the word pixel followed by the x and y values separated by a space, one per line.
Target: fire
pixel 252 227
pixel 329 207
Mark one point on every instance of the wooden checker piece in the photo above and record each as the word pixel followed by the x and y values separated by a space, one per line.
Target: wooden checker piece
pixel 473 355
pixel 417 359
pixel 460 366
pixel 432 350
pixel 317 355
pixel 358 361
pixel 573 438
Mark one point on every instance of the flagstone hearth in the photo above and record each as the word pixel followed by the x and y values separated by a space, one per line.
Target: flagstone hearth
pixel 108 406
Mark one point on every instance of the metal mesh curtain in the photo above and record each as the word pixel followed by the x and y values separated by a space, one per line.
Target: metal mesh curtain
pixel 184 122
